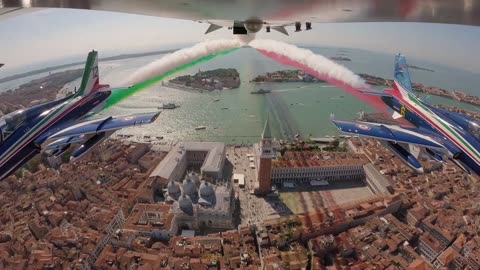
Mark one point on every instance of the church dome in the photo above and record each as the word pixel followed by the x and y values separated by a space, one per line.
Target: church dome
pixel 206 190
pixel 185 204
pixel 173 188
pixel 195 178
pixel 189 187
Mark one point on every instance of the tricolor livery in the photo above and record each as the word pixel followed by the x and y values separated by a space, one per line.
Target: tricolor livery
pixel 437 132
pixel 55 126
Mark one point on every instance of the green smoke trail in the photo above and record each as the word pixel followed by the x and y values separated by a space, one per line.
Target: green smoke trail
pixel 120 94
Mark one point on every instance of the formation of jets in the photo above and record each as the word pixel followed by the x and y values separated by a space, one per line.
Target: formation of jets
pixel 437 132
pixel 55 127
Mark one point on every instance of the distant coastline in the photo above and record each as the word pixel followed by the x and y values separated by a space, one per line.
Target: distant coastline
pixel 37 91
pixel 53 68
pixel 282 76
pixel 340 58
pixel 421 68
pixel 419 87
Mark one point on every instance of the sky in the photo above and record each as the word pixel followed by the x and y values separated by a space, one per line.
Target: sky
pixel 56 36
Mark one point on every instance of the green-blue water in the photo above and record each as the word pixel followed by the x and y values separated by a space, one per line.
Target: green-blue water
pixel 293 107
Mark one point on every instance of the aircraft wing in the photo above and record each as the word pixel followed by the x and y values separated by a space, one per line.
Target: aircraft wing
pixel 391 133
pixel 277 12
pixel 84 130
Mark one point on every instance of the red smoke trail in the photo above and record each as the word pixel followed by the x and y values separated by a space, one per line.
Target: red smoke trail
pixel 373 100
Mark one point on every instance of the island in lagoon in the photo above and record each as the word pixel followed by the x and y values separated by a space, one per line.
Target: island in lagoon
pixel 286 76
pixel 217 79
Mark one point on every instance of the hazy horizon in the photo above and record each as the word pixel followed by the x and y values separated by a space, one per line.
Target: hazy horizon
pixel 58 36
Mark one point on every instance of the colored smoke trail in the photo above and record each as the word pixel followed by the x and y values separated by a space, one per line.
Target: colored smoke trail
pixel 121 94
pixel 170 64
pixel 319 67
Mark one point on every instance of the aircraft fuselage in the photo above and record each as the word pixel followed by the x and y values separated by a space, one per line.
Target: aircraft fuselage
pixel 462 145
pixel 24 142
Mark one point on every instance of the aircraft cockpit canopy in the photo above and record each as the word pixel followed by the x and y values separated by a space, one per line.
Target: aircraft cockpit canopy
pixel 474 128
pixel 10 122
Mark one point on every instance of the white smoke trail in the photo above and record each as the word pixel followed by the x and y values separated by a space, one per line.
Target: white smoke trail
pixel 310 60
pixel 180 57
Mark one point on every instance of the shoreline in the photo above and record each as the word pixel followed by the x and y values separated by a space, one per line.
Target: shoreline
pixel 28 94
pixel 283 76
pixel 426 89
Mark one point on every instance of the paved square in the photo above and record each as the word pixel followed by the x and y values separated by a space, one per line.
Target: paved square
pixel 306 201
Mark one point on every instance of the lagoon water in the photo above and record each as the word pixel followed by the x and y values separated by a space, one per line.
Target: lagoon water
pixel 292 108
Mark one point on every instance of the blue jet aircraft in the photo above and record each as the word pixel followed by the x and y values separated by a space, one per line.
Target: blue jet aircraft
pixel 437 132
pixel 56 126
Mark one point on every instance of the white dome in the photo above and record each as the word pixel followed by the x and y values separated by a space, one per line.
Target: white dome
pixel 206 190
pixel 185 204
pixel 189 187
pixel 173 188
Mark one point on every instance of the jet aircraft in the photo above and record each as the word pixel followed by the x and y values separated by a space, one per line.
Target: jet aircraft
pixel 436 132
pixel 56 126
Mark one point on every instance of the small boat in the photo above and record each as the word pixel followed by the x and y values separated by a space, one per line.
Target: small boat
pixel 261 91
pixel 215 100
pixel 168 106
pixel 200 127
pixel 225 108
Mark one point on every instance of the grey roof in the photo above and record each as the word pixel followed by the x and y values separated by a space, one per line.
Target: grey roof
pixel 173 188
pixel 206 190
pixel 185 204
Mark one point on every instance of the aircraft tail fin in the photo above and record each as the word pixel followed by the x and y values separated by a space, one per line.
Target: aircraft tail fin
pixel 90 77
pixel 401 75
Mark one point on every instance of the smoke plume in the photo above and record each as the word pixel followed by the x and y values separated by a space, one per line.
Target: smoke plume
pixel 180 57
pixel 169 65
pixel 319 67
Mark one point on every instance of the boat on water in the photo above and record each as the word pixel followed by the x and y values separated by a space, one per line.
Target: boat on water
pixel 225 108
pixel 200 127
pixel 261 91
pixel 169 106
pixel 215 100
